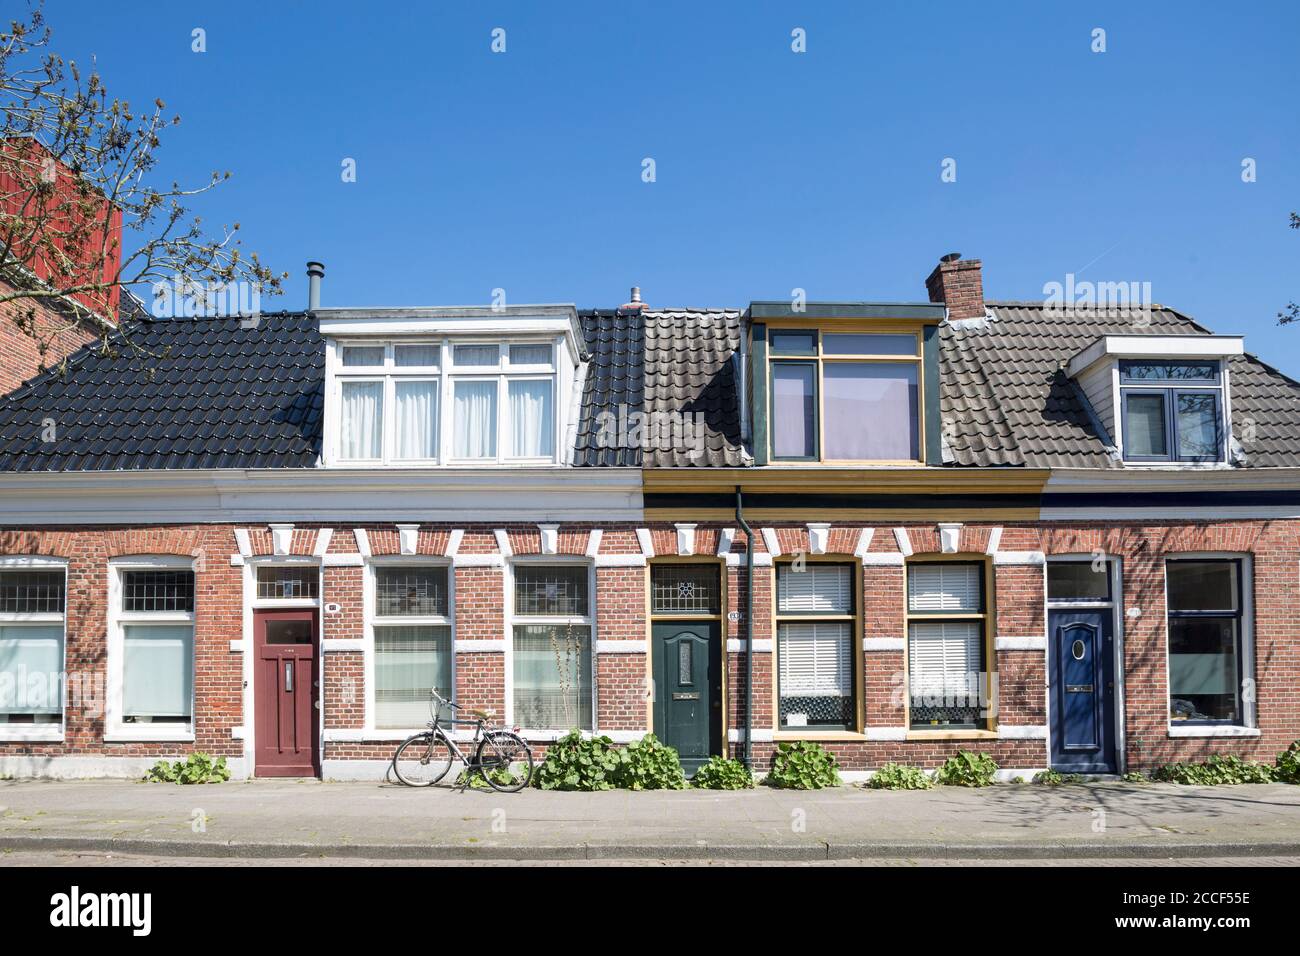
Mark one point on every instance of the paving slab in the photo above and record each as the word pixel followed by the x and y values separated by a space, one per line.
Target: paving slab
pixel 281 818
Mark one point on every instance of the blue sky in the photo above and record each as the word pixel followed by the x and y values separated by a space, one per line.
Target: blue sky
pixel 774 170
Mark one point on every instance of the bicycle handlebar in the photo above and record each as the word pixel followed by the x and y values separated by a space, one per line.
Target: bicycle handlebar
pixel 433 692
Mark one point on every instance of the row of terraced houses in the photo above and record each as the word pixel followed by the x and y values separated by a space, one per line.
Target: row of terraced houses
pixel 1067 537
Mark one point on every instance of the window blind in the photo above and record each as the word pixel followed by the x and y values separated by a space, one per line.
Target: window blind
pixel 816 659
pixel 945 660
pixel 819 588
pixel 945 587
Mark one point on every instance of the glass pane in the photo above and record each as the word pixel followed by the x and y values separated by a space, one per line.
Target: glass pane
pixel 794 410
pixel 551 590
pixel 410 591
pixel 158 591
pixel 945 661
pixel 870 411
pixel 31 592
pixel 475 420
pixel 280 584
pixel 794 343
pixel 945 587
pixel 552 677
pixel 868 343
pixel 477 355
pixel 532 422
pixel 815 673
pixel 1170 371
pixel 409 661
pixel 684 589
pixel 157 672
pixel 1203 677
pixel 298 631
pixel 1078 581
pixel 367 356
pixel 530 355
pixel 1144 425
pixel 417 419
pixel 31 670
pixel 423 356
pixel 1198 425
pixel 1202 585
pixel 685 668
pixel 362 428
pixel 816 589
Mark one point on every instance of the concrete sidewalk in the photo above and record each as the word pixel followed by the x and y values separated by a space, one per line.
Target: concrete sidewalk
pixel 272 819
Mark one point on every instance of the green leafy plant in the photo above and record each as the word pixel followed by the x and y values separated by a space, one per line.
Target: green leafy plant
pixel 803 765
pixel 196 768
pixel 897 776
pixel 575 762
pixel 475 779
pixel 1134 776
pixel 723 774
pixel 649 764
pixel 1054 778
pixel 967 769
pixel 1218 770
pixel 1288 764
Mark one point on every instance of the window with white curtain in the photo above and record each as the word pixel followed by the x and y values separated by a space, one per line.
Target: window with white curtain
pixel 815 624
pixel 444 401
pixel 552 667
pixel 411 615
pixel 947 679
pixel 31 651
pixel 151 649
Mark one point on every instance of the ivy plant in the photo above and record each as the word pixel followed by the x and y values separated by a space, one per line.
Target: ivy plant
pixel 897 776
pixel 721 773
pixel 196 768
pixel 803 765
pixel 967 769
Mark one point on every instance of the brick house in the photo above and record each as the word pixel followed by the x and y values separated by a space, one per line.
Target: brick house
pixel 1067 537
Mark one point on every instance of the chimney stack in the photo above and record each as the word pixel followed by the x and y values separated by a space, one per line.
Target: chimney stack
pixel 315 272
pixel 635 303
pixel 957 283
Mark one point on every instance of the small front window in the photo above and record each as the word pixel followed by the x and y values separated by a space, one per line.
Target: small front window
pixel 1172 411
pixel 946 647
pixel 815 624
pixel 31 651
pixel 156 616
pixel 1206 670
pixel 413 647
pixel 552 668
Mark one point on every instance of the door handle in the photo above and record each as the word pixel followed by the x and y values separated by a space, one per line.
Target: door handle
pixel 288 677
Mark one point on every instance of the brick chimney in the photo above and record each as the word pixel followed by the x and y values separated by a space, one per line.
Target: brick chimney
pixel 956 282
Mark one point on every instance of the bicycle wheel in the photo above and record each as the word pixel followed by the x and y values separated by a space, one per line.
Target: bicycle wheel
pixel 505 760
pixel 422 760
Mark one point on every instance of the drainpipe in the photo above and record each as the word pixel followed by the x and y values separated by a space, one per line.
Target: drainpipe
pixel 747 758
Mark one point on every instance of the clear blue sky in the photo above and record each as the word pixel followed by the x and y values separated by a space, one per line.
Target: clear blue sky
pixel 774 170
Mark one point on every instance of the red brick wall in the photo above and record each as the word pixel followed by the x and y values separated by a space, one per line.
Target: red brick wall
pixel 620 615
pixel 21 356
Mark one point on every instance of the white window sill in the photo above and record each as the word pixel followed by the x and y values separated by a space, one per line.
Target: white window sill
pixel 1204 731
pixel 29 735
pixel 130 737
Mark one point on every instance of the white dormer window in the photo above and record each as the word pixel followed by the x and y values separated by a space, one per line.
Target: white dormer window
pixel 450 386
pixel 1172 410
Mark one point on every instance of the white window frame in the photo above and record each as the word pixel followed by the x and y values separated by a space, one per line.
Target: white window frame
pixel 1167 388
pixel 1249 723
pixel 49 732
pixel 371 620
pixel 511 619
pixel 445 374
pixel 115 729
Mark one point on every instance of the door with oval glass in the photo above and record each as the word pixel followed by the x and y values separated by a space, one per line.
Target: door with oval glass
pixel 1082 685
pixel 688 689
pixel 286 693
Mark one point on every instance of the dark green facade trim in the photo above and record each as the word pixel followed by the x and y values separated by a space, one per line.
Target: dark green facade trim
pixel 933 453
pixel 846 310
pixel 758 389
pixel 815 502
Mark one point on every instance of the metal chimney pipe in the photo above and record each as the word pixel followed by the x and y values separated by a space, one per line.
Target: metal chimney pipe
pixel 315 272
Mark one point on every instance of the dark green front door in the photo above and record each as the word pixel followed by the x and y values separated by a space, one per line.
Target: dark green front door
pixel 688 689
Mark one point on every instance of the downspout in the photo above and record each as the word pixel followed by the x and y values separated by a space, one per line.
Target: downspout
pixel 746 759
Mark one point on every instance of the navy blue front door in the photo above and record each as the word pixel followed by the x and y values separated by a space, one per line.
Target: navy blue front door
pixel 1082 698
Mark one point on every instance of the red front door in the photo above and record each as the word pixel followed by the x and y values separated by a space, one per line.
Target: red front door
pixel 286 692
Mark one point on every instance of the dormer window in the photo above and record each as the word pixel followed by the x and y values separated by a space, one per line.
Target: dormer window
pixel 1172 410
pixel 457 402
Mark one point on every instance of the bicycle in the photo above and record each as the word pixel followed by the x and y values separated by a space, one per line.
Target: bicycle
pixel 424 758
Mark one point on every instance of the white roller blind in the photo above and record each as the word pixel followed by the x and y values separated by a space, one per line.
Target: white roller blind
pixel 943 660
pixel 158 670
pixel 816 659
pixel 31 661
pixel 819 588
pixel 944 587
